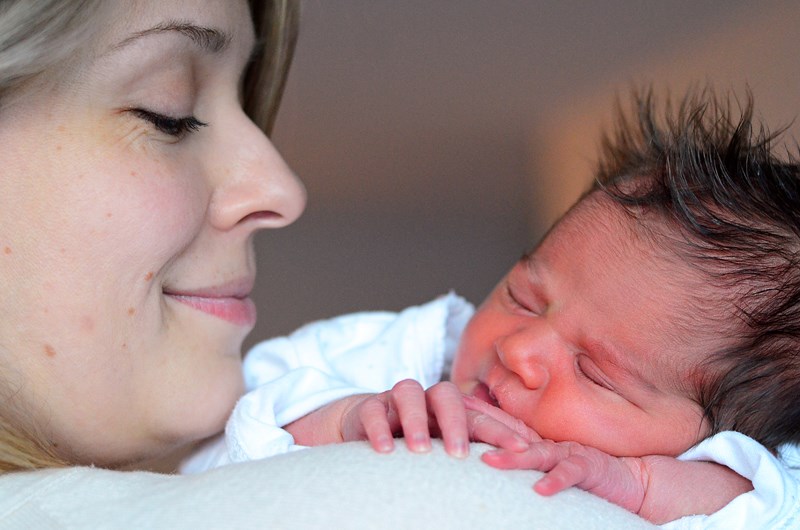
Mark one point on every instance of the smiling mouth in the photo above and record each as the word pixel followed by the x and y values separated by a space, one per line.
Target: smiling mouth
pixel 238 310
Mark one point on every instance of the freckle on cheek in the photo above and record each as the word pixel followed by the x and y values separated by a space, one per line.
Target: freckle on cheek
pixel 6 250
pixel 87 324
pixel 148 276
pixel 49 350
pixel 131 311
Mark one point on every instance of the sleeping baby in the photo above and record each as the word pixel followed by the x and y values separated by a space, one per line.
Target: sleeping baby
pixel 644 351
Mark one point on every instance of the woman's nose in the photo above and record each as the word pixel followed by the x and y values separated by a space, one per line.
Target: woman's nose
pixel 531 353
pixel 253 184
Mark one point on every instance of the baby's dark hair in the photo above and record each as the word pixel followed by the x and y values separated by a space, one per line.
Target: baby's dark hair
pixel 705 168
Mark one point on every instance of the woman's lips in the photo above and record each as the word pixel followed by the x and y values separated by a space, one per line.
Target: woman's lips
pixel 240 311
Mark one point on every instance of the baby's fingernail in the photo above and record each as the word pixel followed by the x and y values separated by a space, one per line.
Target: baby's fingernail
pixel 460 449
pixel 384 444
pixel 420 443
pixel 543 486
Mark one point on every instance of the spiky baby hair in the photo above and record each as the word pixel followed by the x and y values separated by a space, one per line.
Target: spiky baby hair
pixel 704 169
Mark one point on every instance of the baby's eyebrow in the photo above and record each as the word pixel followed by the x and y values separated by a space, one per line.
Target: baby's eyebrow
pixel 211 40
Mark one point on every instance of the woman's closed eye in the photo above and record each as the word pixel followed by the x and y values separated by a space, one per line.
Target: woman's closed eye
pixel 174 127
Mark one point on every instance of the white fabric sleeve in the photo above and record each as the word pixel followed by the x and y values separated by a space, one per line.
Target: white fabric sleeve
pixel 774 502
pixel 288 377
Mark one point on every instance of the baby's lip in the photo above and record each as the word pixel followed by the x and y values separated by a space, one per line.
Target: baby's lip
pixel 482 392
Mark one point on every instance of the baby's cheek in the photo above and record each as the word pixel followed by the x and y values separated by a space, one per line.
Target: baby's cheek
pixel 562 419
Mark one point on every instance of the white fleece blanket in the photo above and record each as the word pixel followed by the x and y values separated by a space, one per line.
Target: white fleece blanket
pixel 346 486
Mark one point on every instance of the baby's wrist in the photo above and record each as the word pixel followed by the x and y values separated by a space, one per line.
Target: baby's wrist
pixel 324 425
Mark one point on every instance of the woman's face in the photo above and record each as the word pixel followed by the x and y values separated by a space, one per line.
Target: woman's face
pixel 130 189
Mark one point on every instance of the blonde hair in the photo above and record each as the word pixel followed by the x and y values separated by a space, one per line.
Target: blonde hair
pixel 276 26
pixel 37 35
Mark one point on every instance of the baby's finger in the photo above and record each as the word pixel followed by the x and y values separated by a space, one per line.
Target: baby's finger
pixel 375 421
pixel 569 472
pixel 444 399
pixel 409 400
pixel 541 456
pixel 515 424
pixel 484 429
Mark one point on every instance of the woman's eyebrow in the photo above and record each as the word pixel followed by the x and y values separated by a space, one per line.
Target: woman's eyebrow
pixel 211 40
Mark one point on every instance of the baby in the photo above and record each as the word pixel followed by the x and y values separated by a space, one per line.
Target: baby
pixel 660 310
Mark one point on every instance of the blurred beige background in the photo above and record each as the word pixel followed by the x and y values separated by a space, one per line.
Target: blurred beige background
pixel 439 139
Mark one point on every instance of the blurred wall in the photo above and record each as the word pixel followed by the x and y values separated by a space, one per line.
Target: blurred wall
pixel 439 139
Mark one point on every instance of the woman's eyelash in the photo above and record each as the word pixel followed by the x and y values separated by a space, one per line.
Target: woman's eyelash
pixel 177 127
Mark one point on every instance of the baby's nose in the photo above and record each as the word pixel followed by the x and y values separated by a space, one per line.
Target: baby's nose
pixel 524 356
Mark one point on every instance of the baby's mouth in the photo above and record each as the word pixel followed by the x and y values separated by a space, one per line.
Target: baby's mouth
pixel 482 392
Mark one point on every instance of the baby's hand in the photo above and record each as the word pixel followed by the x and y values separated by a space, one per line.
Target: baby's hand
pixel 658 488
pixel 417 414
pixel 620 480
pixel 515 424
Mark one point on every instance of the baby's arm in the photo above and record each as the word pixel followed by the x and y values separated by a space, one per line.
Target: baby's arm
pixel 412 412
pixel 677 488
pixel 658 488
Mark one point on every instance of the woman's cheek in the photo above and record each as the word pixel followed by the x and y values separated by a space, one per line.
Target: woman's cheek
pixel 163 210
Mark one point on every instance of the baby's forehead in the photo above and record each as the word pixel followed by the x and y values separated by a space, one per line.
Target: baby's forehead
pixel 648 231
pixel 690 316
pixel 596 211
